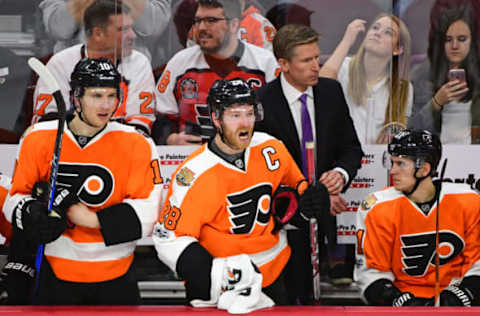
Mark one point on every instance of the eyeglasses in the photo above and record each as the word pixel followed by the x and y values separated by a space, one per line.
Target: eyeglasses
pixel 209 20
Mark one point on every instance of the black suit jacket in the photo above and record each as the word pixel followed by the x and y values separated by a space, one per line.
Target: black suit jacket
pixel 337 142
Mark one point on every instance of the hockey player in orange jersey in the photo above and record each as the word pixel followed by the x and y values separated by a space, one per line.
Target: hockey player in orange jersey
pixel 108 186
pixel 396 230
pixel 216 229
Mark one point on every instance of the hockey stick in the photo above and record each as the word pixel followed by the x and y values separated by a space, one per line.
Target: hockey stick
pixel 310 151
pixel 45 75
pixel 437 237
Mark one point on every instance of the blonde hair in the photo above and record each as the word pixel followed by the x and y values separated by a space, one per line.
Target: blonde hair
pixel 397 82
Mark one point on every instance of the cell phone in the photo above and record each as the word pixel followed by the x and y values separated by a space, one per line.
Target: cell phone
pixel 456 74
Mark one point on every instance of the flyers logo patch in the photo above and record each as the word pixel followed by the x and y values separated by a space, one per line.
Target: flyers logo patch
pixel 249 207
pixel 418 250
pixel 92 183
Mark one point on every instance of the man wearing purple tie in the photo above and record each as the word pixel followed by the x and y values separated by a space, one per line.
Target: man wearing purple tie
pixel 300 107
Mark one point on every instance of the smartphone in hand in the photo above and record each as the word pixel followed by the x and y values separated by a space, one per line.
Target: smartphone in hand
pixel 456 74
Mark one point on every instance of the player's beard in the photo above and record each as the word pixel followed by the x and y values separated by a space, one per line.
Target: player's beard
pixel 231 138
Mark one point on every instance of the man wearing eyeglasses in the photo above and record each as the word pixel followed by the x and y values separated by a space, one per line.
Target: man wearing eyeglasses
pixel 183 87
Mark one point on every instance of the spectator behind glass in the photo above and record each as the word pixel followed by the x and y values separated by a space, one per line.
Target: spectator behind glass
pixel 63 18
pixel 254 27
pixel 288 13
pixel 183 88
pixel 375 80
pixel 108 27
pixel 444 106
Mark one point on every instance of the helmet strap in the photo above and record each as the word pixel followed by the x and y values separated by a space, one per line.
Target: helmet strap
pixel 417 182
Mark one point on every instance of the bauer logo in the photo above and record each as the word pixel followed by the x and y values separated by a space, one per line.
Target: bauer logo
pixel 93 184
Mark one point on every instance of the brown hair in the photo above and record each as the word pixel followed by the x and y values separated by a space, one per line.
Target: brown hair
pixel 290 36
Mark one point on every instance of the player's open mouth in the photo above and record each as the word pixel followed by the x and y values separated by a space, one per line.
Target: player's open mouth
pixel 244 135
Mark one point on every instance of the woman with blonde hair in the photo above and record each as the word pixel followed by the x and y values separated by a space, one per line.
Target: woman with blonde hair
pixel 376 79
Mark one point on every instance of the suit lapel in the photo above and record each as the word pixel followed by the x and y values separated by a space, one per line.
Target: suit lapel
pixel 284 118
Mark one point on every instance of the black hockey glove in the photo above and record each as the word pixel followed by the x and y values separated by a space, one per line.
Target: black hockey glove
pixel 383 293
pixel 315 201
pixel 62 199
pixel 32 219
pixel 18 279
pixel 408 299
pixel 456 296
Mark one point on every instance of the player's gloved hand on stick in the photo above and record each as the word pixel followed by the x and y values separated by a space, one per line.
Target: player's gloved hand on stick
pixel 315 201
pixel 31 217
pixel 238 284
pixel 62 198
pixel 456 296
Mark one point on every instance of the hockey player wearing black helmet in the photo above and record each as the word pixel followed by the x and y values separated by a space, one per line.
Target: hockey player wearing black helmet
pixel 107 188
pixel 217 239
pixel 419 147
pixel 396 232
pixel 234 110
pixel 96 94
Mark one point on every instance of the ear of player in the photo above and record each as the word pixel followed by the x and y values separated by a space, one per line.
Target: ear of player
pixel 237 283
pixel 288 206
pixel 33 219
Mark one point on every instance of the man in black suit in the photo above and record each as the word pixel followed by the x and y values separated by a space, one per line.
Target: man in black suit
pixel 338 151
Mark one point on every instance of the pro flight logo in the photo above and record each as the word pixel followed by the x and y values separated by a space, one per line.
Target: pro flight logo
pixel 346 230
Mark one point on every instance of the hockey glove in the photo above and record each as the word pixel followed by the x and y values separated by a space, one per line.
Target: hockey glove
pixel 408 299
pixel 315 201
pixel 62 199
pixel 284 206
pixel 31 218
pixel 382 292
pixel 238 283
pixel 456 296
pixel 17 280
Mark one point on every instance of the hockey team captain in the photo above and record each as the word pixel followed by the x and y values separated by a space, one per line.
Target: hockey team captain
pixel 397 228
pixel 108 187
pixel 216 219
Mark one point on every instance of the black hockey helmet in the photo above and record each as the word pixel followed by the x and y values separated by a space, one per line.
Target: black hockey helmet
pixel 419 145
pixel 225 93
pixel 90 72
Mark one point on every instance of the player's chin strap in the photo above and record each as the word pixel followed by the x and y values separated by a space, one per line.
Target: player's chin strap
pixel 417 179
pixel 417 182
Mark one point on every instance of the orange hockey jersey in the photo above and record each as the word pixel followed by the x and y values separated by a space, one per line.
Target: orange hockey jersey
pixel 118 165
pixel 227 208
pixel 396 240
